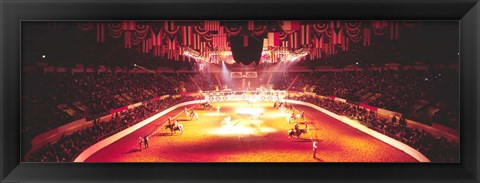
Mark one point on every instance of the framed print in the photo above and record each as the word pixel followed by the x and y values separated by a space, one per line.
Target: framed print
pixel 239 91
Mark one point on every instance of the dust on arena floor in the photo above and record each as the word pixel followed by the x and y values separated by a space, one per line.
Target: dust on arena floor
pixel 212 138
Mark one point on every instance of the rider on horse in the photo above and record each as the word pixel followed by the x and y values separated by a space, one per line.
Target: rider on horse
pixel 296 131
pixel 174 127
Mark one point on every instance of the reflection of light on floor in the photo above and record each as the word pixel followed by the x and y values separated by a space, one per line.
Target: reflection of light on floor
pixel 214 114
pixel 241 127
pixel 249 111
pixel 234 130
pixel 241 130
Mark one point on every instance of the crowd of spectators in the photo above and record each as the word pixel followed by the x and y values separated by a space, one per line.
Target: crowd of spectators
pixel 39 109
pixel 68 147
pixel 185 84
pixel 280 81
pixel 389 89
pixel 205 81
pixel 99 92
pixel 437 149
pixel 89 95
pixel 305 82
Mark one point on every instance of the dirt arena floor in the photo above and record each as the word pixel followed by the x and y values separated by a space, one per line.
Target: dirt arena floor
pixel 212 139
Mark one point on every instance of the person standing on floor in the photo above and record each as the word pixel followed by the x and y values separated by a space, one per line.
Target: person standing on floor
pixel 145 141
pixel 140 142
pixel 314 149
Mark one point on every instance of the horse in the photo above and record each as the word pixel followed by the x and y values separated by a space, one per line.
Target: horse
pixel 173 128
pixel 206 106
pixel 296 133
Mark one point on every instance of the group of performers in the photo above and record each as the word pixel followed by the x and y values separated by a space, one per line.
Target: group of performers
pixel 295 131
pixel 175 126
pixel 143 141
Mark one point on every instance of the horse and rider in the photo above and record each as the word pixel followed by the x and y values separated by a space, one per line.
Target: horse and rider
pixel 193 114
pixel 296 131
pixel 206 105
pixel 174 127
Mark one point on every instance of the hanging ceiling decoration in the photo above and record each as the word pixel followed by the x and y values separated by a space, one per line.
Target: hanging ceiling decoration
pixel 244 41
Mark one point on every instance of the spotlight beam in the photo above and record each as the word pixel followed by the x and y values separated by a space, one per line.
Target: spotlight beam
pixel 153 72
pixel 143 68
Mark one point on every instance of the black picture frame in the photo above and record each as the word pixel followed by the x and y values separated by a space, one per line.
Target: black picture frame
pixel 13 12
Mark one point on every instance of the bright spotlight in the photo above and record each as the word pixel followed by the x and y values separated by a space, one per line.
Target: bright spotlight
pixel 249 111
pixel 237 127
pixel 43 56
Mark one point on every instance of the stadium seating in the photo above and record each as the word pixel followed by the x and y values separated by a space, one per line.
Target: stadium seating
pixel 53 99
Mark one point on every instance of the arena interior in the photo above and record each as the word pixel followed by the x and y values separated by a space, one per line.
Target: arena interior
pixel 240 91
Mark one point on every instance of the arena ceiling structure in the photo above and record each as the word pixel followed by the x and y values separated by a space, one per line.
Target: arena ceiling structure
pixel 248 42
pixel 244 41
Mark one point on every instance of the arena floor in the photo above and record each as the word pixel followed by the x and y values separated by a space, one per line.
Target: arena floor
pixel 210 139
